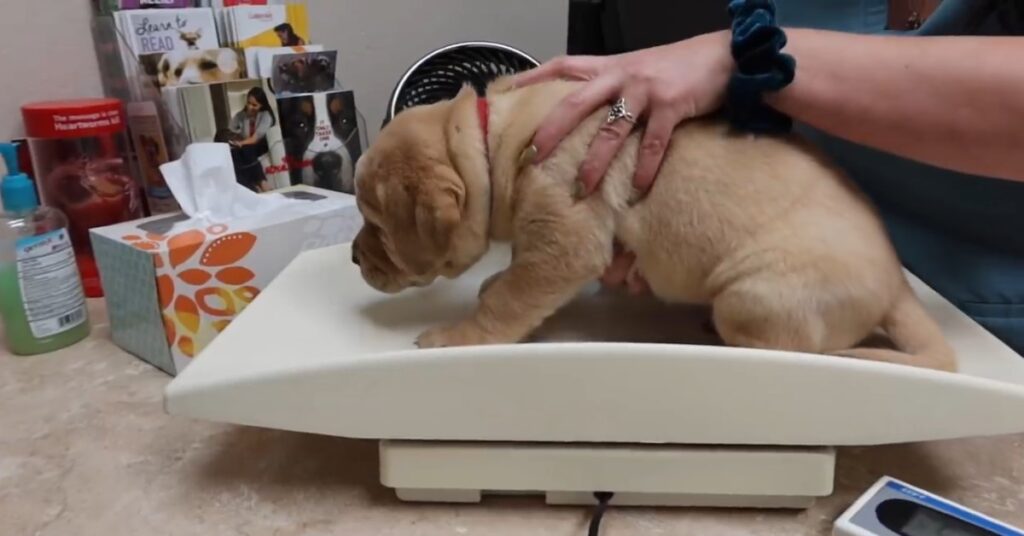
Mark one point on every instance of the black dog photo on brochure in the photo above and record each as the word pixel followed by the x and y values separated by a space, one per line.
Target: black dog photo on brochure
pixel 304 72
pixel 322 139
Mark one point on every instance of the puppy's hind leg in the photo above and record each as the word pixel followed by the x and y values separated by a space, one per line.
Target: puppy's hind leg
pixel 760 314
pixel 806 310
pixel 792 313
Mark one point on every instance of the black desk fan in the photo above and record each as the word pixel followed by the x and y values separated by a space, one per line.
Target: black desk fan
pixel 442 73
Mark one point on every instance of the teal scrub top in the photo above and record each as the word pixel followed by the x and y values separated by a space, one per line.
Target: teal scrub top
pixel 961 234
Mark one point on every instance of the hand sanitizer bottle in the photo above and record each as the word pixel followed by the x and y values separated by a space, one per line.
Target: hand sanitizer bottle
pixel 42 302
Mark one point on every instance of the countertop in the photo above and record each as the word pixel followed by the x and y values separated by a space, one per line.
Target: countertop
pixel 85 448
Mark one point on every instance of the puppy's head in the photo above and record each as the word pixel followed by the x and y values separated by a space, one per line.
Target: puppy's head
pixel 413 203
pixel 191 38
pixel 190 67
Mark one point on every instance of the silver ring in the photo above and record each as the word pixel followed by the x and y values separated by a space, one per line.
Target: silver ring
pixel 619 111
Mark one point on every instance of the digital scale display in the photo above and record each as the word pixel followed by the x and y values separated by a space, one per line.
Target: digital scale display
pixel 908 518
pixel 893 508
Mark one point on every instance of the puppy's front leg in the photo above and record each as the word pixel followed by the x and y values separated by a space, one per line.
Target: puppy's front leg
pixel 494 277
pixel 553 263
pixel 487 283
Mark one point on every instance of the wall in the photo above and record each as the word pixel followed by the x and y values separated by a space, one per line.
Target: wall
pixel 379 39
pixel 52 56
pixel 45 53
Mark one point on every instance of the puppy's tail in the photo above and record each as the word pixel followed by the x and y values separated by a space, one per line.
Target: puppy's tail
pixel 916 334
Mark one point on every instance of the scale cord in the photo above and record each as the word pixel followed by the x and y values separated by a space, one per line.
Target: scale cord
pixel 603 498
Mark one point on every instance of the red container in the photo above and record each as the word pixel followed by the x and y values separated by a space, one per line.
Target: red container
pixel 78 151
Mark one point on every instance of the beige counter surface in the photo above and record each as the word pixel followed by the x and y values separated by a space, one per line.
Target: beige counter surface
pixel 86 449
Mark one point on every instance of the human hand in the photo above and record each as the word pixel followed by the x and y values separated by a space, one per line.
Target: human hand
pixel 662 87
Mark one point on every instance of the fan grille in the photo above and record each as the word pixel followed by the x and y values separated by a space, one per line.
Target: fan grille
pixel 441 74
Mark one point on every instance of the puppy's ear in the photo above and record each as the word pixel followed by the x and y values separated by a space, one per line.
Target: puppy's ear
pixel 336 105
pixel 422 215
pixel 439 209
pixel 307 107
pixel 163 70
pixel 227 61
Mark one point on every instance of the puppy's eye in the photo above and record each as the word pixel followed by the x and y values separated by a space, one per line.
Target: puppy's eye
pixel 178 71
pixel 208 65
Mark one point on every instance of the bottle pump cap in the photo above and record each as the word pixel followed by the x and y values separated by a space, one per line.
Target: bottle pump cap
pixel 17 191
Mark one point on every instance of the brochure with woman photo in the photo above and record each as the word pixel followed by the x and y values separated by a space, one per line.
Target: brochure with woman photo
pixel 242 115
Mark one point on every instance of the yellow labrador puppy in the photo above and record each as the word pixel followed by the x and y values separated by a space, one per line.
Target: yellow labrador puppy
pixel 787 253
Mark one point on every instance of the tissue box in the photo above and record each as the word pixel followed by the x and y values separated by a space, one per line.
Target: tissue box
pixel 169 293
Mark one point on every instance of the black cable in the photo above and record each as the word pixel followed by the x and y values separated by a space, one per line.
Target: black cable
pixel 603 498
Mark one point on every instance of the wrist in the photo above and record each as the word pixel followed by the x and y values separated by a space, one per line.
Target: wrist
pixel 761 68
pixel 719 44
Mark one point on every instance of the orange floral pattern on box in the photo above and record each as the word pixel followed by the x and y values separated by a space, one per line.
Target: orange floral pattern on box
pixel 199 282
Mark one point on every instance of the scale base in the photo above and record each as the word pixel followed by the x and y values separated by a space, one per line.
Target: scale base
pixel 639 475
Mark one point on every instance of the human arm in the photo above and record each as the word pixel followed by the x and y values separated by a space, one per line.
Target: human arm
pixel 236 125
pixel 251 140
pixel 953 102
pixel 263 124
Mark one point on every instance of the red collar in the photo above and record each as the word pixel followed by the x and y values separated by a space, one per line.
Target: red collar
pixel 483 112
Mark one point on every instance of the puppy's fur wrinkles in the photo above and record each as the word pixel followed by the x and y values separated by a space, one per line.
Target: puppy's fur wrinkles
pixel 787 252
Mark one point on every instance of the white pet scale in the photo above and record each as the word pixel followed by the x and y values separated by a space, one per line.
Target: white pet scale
pixel 657 424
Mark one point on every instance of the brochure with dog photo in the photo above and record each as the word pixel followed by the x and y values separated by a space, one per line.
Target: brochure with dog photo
pixel 242 115
pixel 322 139
pixel 160 31
pixel 260 60
pixel 269 26
pixel 192 67
pixel 307 72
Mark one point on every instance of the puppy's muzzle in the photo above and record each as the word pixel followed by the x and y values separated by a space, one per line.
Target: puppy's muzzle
pixel 355 256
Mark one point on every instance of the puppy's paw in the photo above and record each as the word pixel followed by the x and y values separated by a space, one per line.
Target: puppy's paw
pixel 462 334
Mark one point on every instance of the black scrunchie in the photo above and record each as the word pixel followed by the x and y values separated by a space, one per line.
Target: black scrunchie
pixel 757 43
pixel 1011 15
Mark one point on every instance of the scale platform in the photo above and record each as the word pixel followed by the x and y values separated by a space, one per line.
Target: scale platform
pixel 614 394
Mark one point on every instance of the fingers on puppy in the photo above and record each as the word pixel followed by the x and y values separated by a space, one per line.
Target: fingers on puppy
pixel 622 119
pixel 657 133
pixel 573 110
pixel 562 68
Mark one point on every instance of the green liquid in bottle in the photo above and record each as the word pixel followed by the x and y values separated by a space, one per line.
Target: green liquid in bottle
pixel 42 302
pixel 51 312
